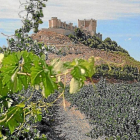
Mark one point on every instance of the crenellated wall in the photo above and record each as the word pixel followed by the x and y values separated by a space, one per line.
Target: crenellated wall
pixel 56 23
pixel 87 26
pixel 99 36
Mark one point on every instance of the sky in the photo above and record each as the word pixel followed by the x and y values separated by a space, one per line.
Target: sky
pixel 117 19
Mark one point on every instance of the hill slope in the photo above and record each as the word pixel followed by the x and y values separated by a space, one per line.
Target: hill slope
pixel 79 50
pixel 70 50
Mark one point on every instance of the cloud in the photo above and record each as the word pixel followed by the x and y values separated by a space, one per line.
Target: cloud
pixel 69 11
pixel 80 9
pixel 8 26
pixel 128 39
pixel 97 9
pixel 9 9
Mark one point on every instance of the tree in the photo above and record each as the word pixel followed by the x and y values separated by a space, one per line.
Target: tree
pixel 108 41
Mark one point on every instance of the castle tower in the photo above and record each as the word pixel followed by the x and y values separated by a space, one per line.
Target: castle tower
pixel 81 23
pixel 64 25
pixel 53 23
pixel 59 23
pixel 71 24
pixel 88 25
pixel 93 25
pixel 50 23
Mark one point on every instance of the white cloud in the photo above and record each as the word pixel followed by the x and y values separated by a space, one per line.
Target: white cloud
pixel 128 39
pixel 73 10
pixel 98 9
pixel 9 9
pixel 69 11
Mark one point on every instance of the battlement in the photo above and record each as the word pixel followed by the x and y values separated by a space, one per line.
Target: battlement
pixel 87 26
pixel 56 23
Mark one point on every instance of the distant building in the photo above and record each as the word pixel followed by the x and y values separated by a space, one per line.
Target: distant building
pixel 87 26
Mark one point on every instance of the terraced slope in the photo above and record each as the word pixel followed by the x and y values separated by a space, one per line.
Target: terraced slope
pixel 79 50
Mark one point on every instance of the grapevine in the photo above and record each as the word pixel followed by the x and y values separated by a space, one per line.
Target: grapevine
pixel 23 69
pixel 26 80
pixel 113 109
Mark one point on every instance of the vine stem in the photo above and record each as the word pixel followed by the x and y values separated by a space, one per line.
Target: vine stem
pixel 23 73
pixel 30 96
pixel 69 70
pixel 62 94
pixel 3 119
pixel 7 35
pixel 12 115
pixel 23 122
pixel 57 98
pixel 64 104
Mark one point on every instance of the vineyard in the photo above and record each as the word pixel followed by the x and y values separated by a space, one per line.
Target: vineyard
pixel 113 109
pixel 32 88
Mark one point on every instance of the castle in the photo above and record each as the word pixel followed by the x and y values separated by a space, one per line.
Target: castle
pixel 56 23
pixel 87 26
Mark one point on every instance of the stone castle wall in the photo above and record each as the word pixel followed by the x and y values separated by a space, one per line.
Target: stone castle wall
pixel 87 26
pixel 56 23
pixel 60 31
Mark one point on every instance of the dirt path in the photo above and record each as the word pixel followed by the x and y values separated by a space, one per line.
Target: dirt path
pixel 72 124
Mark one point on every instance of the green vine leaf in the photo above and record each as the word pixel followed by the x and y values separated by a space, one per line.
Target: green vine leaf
pixel 90 67
pixel 21 105
pixel 11 69
pixel 14 116
pixel 3 89
pixel 58 66
pixel 36 74
pixel 41 75
pixel 76 72
pixel 74 85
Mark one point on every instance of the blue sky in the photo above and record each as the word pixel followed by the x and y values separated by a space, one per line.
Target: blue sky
pixel 117 19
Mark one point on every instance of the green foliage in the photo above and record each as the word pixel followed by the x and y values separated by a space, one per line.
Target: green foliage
pixel 24 73
pixel 95 42
pixel 123 73
pixel 129 60
pixel 113 109
pixel 21 41
pixel 21 69
pixel 81 69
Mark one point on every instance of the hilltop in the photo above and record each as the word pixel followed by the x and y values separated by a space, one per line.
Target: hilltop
pixel 70 49
pixel 78 50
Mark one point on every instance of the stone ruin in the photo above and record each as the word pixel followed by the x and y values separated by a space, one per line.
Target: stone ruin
pixel 87 26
